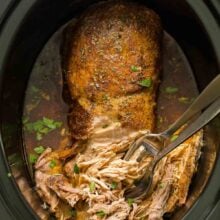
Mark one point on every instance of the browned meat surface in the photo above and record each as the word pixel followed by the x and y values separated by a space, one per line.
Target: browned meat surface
pixel 107 53
pixel 111 58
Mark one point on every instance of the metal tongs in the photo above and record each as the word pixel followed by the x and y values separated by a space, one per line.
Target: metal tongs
pixel 159 145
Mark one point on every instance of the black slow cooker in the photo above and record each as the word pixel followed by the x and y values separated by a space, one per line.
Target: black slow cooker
pixel 26 25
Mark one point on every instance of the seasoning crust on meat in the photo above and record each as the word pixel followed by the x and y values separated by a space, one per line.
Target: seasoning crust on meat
pixel 107 53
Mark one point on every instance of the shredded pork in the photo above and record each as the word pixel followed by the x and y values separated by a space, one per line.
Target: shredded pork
pixel 104 175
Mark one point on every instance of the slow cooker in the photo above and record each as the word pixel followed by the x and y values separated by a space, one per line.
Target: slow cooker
pixel 25 27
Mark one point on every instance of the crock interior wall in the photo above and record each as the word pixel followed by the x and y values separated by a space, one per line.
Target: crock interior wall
pixel 47 16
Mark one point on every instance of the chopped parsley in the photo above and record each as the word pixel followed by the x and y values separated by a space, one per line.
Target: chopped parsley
pixel 39 149
pixel 174 137
pixel 101 214
pixel 92 187
pixel 160 120
pixel 147 82
pixel 171 90
pixel 33 158
pixel 76 169
pixel 34 89
pixel 38 136
pixel 50 123
pixel 52 164
pixel 184 100
pixel 135 68
pixel 161 185
pixel 105 97
pixel 42 127
pixel 114 185
pixel 25 119
pixel 130 201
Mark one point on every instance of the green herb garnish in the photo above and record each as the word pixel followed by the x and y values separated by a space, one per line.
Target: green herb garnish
pixel 25 119
pixel 184 100
pixel 92 187
pixel 146 82
pixel 49 123
pixel 101 214
pixel 114 185
pixel 160 120
pixel 45 130
pixel 130 201
pixel 35 89
pixel 39 136
pixel 76 169
pixel 171 90
pixel 135 68
pixel 33 158
pixel 105 97
pixel 161 185
pixel 174 137
pixel 39 149
pixel 42 127
pixel 52 164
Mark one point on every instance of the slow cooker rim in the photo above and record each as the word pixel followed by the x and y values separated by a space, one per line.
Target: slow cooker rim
pixel 18 208
pixel 209 24
pixel 22 209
